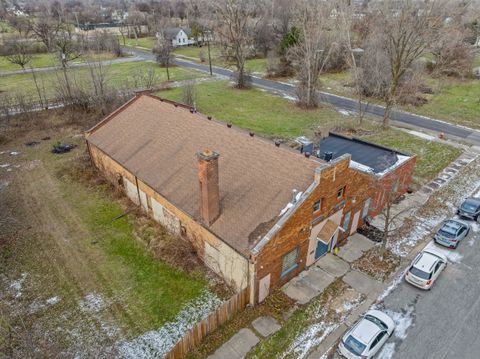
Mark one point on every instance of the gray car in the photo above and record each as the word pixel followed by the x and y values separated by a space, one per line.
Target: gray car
pixel 470 208
pixel 451 233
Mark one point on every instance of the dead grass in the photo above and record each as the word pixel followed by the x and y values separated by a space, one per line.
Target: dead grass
pixel 375 265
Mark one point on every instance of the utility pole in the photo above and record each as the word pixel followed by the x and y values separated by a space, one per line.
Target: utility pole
pixel 208 32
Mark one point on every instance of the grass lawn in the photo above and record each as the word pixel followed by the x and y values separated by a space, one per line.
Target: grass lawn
pixel 257 110
pixel 255 66
pixel 47 60
pixel 432 156
pixel 85 278
pixel 455 101
pixel 275 116
pixel 122 75
pixel 142 42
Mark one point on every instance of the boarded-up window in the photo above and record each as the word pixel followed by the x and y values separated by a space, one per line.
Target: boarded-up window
pixel 289 261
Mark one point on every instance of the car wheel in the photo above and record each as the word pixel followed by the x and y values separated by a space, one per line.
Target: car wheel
pixel 456 246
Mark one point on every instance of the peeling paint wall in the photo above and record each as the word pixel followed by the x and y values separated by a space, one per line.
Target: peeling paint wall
pixel 216 254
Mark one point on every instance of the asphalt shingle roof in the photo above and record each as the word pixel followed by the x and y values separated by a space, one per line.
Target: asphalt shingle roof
pixel 158 142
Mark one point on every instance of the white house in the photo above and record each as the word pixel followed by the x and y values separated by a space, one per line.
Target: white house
pixel 178 35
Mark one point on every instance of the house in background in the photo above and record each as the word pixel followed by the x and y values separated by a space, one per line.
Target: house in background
pixel 257 212
pixel 179 36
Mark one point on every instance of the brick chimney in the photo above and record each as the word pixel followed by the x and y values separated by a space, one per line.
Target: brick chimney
pixel 209 187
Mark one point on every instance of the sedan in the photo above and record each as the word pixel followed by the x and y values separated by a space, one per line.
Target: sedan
pixel 451 233
pixel 470 208
pixel 367 336
pixel 425 269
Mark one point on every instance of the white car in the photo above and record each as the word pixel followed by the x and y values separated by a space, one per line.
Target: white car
pixel 367 336
pixel 425 268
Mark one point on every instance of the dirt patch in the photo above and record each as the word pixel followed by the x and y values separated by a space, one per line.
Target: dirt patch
pixel 371 232
pixel 377 265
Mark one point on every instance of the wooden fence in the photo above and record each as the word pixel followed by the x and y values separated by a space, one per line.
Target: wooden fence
pixel 223 313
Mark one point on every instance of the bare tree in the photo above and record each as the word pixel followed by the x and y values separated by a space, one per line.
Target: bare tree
pixel 239 19
pixel 45 29
pixel 163 51
pixel 20 54
pixel 68 50
pixel 189 93
pixel 406 28
pixel 346 16
pixel 310 55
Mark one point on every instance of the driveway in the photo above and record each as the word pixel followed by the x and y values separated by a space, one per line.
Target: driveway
pixel 465 134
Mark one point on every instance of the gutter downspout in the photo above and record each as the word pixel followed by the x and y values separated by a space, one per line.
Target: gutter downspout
pixel 251 277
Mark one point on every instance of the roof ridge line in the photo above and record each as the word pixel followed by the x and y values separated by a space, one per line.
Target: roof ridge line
pixel 112 115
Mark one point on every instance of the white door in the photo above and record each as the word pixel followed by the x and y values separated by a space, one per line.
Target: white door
pixel 264 288
pixel 356 218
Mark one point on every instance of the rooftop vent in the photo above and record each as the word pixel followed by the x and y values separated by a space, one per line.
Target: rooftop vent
pixel 327 156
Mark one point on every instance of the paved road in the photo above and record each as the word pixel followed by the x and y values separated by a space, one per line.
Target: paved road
pixel 462 133
pixel 446 320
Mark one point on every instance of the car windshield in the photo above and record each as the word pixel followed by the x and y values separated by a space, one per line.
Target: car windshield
pixel 469 206
pixel 377 321
pixel 419 273
pixel 354 346
pixel 448 230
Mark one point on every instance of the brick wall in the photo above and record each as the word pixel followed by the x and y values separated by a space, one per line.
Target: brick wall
pixel 402 175
pixel 296 231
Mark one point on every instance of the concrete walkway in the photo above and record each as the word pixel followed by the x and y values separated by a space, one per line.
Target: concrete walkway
pixel 313 281
pixel 241 343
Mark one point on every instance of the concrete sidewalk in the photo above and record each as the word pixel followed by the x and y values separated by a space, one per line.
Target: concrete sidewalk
pixel 313 281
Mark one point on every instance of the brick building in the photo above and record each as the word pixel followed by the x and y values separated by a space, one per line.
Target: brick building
pixel 257 212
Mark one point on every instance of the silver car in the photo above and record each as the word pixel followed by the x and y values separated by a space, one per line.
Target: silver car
pixel 451 233
pixel 425 268
pixel 470 208
pixel 367 336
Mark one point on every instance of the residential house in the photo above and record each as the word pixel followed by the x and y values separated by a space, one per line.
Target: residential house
pixel 180 36
pixel 257 212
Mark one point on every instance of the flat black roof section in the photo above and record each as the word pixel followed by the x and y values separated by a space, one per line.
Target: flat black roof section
pixel 378 158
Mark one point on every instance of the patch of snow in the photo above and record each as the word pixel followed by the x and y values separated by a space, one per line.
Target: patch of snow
pixel 17 285
pixel 403 321
pixel 391 287
pixel 14 153
pixel 344 112
pixel 5 165
pixel 157 343
pixel 452 255
pixel 387 351
pixel 4 184
pixel 312 337
pixel 422 228
pixel 92 303
pixel 316 333
pixel 360 167
pixel 53 300
pixel 421 135
pixel 289 97
pixel 475 225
